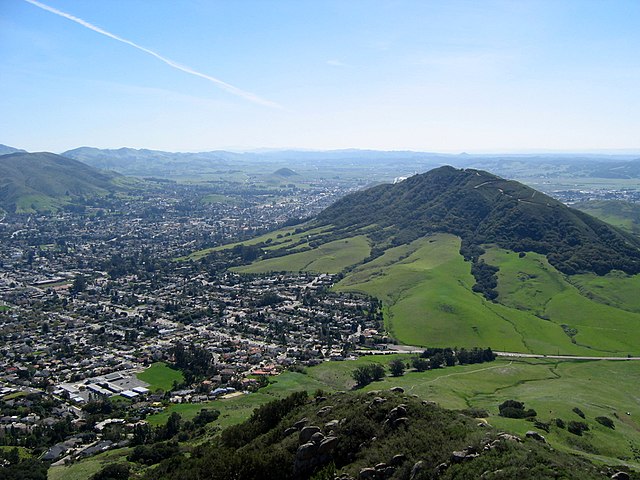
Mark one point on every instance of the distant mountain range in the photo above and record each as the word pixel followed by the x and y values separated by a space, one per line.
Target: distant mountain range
pixel 134 162
pixel 46 182
pixel 374 164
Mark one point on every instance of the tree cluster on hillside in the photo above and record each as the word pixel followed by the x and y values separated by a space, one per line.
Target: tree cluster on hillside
pixel 366 374
pixel 430 358
pixel 515 409
pixel 448 357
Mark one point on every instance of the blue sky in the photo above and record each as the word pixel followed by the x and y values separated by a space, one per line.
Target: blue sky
pixel 446 76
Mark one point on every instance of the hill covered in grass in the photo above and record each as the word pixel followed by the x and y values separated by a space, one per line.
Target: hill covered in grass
pixel 539 277
pixel 45 181
pixel 482 208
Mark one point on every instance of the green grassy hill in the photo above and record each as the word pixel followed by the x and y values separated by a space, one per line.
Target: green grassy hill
pixel 524 301
pixel 482 208
pixel 45 181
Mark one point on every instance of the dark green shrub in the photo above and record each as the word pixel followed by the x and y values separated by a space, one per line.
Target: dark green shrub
pixel 396 367
pixel 578 412
pixel 515 409
pixel 606 421
pixel 577 427
pixel 113 471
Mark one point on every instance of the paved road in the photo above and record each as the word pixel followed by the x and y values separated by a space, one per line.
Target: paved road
pixel 415 349
pixel 560 357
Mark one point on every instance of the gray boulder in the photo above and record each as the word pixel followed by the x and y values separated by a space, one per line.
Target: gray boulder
pixel 324 411
pixel 620 476
pixel 416 470
pixel 317 438
pixel 306 451
pixel 300 423
pixel 307 432
pixel 367 473
pixel 327 445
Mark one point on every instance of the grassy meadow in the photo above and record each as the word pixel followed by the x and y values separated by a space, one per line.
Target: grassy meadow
pixel 552 388
pixel 426 292
pixel 160 376
pixel 607 326
pixel 332 257
pixel 278 238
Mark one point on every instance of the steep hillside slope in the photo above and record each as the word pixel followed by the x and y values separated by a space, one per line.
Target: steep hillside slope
pixel 45 181
pixel 483 208
pixel 621 214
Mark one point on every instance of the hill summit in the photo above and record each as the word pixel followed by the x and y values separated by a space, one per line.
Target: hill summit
pixel 483 208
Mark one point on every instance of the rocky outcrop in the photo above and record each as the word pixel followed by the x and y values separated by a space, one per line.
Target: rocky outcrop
pixel 315 448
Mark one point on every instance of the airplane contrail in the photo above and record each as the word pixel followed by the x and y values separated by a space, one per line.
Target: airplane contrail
pixel 224 85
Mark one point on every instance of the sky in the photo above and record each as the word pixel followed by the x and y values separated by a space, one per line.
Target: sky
pixel 424 75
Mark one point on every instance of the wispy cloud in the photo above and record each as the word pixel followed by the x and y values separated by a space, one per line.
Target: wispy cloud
pixel 219 83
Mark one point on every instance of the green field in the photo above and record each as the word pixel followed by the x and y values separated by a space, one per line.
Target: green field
pixel 616 289
pixel 426 292
pixel 609 325
pixel 332 257
pixel 37 203
pixel 160 376
pixel 279 238
pixel 238 408
pixel 22 451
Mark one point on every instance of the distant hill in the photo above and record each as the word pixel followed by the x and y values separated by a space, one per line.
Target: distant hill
pixel 5 150
pixel 483 208
pixel 285 172
pixel 45 181
pixel 143 163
